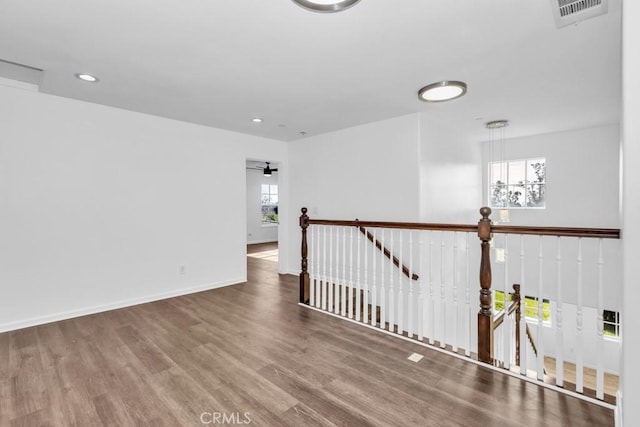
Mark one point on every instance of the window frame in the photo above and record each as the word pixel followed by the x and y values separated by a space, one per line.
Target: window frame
pixel 491 186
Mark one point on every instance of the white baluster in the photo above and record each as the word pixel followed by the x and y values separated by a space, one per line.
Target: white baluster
pixel 324 269
pixel 383 306
pixel 374 290
pixel 311 269
pixel 319 283
pixel 343 288
pixel 400 298
pixel 523 313
pixel 443 301
pixel 365 293
pixel 392 320
pixel 559 334
pixel 331 277
pixel 432 311
pixel 359 284
pixel 600 342
pixel 506 336
pixel 350 305
pixel 467 297
pixel 410 300
pixel 579 338
pixel 420 316
pixel 336 291
pixel 540 335
pixel 454 280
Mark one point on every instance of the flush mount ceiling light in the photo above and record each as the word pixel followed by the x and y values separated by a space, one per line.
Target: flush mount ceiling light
pixel 257 120
pixel 329 6
pixel 87 77
pixel 442 91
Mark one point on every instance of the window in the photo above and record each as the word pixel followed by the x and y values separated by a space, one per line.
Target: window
pixel 530 306
pixel 611 323
pixel 517 184
pixel 269 198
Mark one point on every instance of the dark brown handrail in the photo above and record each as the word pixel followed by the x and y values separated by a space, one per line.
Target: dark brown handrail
pixel 499 319
pixel 387 253
pixel 603 233
pixel 405 225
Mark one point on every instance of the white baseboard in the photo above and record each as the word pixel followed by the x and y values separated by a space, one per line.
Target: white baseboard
pixel 55 317
pixel 255 242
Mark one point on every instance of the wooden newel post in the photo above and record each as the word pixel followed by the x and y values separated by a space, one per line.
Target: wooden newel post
pixel 304 274
pixel 516 301
pixel 485 315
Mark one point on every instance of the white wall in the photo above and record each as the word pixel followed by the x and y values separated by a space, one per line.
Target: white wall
pixel 582 177
pixel 369 172
pixel 99 207
pixel 256 231
pixel 450 175
pixel 631 208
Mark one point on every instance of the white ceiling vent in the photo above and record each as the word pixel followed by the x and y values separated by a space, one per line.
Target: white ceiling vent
pixel 568 12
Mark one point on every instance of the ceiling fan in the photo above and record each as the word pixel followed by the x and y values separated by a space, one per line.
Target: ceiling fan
pixel 267 170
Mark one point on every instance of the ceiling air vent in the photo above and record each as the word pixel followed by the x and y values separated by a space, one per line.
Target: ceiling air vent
pixel 568 12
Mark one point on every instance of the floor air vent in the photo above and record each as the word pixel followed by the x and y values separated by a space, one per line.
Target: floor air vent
pixel 568 12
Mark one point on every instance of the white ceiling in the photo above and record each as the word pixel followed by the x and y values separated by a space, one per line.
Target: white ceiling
pixel 220 63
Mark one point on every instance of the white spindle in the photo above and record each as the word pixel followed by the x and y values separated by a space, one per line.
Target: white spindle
pixel 336 290
pixel 391 316
pixel 540 335
pixel 559 334
pixel 343 287
pixel 454 276
pixel 365 293
pixel 523 313
pixel 432 311
pixel 443 301
pixel 318 273
pixel 324 269
pixel 579 342
pixel 600 343
pixel 311 270
pixel 350 305
pixel 359 284
pixel 400 312
pixel 374 290
pixel 383 306
pixel 506 334
pixel 331 276
pixel 410 300
pixel 420 316
pixel 468 316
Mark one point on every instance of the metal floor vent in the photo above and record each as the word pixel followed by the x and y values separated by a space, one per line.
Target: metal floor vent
pixel 568 12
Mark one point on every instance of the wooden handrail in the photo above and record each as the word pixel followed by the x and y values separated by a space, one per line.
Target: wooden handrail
pixel 388 254
pixel 499 319
pixel 603 233
pixel 389 224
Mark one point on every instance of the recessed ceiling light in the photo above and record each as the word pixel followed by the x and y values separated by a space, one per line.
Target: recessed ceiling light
pixel 325 5
pixel 87 77
pixel 257 120
pixel 442 91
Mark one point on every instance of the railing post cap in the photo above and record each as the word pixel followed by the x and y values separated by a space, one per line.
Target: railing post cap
pixel 304 211
pixel 485 212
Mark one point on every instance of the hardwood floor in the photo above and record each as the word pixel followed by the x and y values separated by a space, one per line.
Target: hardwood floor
pixel 250 353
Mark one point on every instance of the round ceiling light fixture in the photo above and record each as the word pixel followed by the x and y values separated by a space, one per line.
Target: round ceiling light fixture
pixel 257 120
pixel 327 6
pixel 442 91
pixel 87 77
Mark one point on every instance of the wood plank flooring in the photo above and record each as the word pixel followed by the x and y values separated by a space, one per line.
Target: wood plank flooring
pixel 250 353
